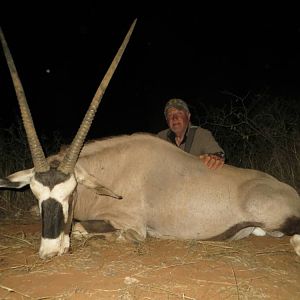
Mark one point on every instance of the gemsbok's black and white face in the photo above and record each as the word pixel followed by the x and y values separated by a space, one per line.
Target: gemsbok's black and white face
pixel 53 186
pixel 54 189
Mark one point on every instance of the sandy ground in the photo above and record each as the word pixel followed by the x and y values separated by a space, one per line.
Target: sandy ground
pixel 254 268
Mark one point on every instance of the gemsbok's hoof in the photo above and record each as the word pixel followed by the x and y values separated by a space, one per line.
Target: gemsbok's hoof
pixel 295 242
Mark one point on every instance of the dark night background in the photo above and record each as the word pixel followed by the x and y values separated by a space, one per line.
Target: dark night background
pixel 190 51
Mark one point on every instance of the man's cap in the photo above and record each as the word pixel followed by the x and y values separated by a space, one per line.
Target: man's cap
pixel 177 103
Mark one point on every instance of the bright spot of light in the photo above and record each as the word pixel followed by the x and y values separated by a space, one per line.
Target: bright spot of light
pixel 48 71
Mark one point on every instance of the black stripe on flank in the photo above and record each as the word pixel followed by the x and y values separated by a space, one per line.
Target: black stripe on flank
pixel 291 226
pixel 229 233
pixel 52 219
pixel 97 226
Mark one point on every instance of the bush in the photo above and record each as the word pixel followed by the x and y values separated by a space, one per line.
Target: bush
pixel 259 132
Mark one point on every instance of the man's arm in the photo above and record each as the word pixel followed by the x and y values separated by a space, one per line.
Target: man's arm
pixel 214 157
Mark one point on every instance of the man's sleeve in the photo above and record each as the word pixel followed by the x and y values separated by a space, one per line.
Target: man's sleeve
pixel 212 146
pixel 205 143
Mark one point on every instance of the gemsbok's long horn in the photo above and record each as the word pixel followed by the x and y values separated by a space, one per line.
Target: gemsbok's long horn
pixel 38 157
pixel 69 161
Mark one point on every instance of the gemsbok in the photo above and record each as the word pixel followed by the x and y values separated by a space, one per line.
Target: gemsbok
pixel 139 184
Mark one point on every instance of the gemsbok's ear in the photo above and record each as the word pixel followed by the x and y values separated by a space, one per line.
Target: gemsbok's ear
pixel 91 182
pixel 17 180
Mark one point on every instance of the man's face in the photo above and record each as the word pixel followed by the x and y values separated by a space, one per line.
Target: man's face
pixel 178 120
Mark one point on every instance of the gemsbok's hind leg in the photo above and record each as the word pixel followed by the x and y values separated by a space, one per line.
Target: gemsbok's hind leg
pixel 260 232
pixel 295 241
pixel 291 227
pixel 276 234
pixel 257 231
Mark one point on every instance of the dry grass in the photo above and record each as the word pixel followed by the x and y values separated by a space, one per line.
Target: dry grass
pixel 254 268
pixel 258 132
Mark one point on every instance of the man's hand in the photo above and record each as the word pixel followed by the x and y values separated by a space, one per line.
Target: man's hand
pixel 213 162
